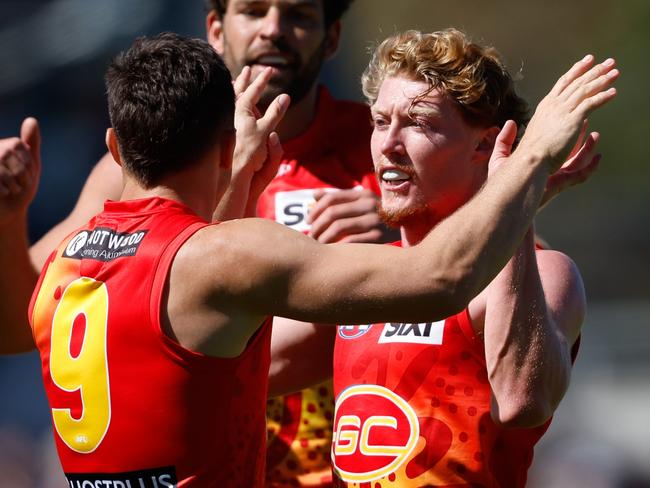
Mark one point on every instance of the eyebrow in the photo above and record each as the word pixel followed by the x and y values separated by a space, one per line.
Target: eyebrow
pixel 416 111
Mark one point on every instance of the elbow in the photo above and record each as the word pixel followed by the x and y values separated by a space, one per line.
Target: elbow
pixel 458 290
pixel 524 413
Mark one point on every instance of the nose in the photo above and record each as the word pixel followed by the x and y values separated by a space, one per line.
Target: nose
pixel 392 142
pixel 272 24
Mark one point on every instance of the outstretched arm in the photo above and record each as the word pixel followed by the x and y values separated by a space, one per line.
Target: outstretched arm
pixel 252 268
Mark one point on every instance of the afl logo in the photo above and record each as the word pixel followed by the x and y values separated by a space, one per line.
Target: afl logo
pixel 375 432
pixel 76 244
pixel 352 331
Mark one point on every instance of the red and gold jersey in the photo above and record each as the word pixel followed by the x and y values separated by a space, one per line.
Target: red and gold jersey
pixel 334 153
pixel 130 406
pixel 413 410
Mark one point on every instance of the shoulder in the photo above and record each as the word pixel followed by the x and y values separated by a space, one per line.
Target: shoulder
pixel 564 290
pixel 238 255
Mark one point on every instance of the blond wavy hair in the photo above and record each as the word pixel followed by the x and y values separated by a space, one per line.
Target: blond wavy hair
pixel 472 75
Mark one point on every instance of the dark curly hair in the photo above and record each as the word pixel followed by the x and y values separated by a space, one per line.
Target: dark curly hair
pixel 168 99
pixel 333 10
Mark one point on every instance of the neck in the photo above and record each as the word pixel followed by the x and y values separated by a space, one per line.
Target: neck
pixel 189 187
pixel 416 229
pixel 299 116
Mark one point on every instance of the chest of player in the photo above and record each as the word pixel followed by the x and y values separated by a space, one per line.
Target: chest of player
pixel 407 397
pixel 381 353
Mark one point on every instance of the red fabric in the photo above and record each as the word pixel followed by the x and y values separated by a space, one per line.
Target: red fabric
pixel 333 153
pixel 169 407
pixel 433 400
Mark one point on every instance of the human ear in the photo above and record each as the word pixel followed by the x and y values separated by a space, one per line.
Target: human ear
pixel 214 30
pixel 111 144
pixel 332 39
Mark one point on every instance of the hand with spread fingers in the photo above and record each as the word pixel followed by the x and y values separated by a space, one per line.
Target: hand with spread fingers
pixel 257 151
pixel 559 120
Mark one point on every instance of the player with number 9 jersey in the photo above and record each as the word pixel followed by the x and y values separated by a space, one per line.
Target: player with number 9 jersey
pixel 130 406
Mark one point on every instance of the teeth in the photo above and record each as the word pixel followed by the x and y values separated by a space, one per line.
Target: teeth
pixel 394 175
pixel 273 60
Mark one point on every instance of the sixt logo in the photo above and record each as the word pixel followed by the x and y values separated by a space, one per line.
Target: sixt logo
pixel 352 331
pixel 292 207
pixel 424 333
pixel 365 446
pixel 103 244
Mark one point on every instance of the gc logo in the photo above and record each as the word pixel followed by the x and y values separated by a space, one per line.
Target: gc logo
pixel 375 432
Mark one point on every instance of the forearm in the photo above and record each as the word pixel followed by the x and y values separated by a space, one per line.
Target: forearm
pixel 474 243
pixel 235 201
pixel 17 282
pixel 528 359
pixel 301 355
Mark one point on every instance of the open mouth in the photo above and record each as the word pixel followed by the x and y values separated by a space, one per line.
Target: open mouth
pixel 277 61
pixel 393 177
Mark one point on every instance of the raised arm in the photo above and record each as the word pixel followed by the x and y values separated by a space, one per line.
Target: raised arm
pixel 20 167
pixel 530 316
pixel 257 152
pixel 20 264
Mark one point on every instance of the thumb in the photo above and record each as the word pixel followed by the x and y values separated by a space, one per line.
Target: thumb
pixel 30 134
pixel 504 141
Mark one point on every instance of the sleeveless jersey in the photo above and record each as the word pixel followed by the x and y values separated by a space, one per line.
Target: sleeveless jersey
pixel 413 410
pixel 334 153
pixel 132 408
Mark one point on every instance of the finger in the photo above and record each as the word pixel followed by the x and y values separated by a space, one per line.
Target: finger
pixel 330 197
pixel 341 228
pixel 242 81
pixel 335 199
pixel 374 235
pixel 564 179
pixel 30 134
pixel 251 95
pixel 580 140
pixel 583 155
pixel 274 113
pixel 595 87
pixel 504 141
pixel 334 213
pixel 574 72
pixel 590 104
pixel 319 193
pixel 589 76
pixel 8 181
pixel 274 152
pixel 17 168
